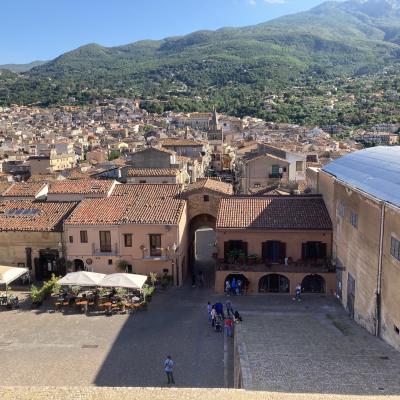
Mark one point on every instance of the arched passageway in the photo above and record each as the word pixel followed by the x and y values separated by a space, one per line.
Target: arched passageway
pixel 202 247
pixel 238 282
pixel 274 283
pixel 79 265
pixel 313 284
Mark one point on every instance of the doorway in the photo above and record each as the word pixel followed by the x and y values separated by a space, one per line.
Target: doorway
pixel 313 284
pixel 274 283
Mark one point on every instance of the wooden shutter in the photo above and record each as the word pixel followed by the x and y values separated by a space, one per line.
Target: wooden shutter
pixel 282 251
pixel 322 250
pixel 304 251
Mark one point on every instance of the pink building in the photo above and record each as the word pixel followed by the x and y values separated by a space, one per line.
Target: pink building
pixel 144 225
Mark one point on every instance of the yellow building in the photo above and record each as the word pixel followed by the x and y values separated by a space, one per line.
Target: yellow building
pixel 362 193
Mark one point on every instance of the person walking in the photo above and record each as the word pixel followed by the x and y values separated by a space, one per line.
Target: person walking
pixel 227 288
pixel 209 308
pixel 229 308
pixel 219 308
pixel 298 292
pixel 233 286
pixel 228 327
pixel 168 366
pixel 213 315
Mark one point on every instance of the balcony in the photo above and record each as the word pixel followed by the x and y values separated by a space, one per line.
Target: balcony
pixel 256 265
pixel 110 251
pixel 158 253
pixel 275 176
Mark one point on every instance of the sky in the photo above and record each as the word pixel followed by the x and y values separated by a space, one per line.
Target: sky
pixel 43 29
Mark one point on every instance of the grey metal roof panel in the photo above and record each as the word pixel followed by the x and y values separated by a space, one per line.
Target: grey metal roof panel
pixel 375 171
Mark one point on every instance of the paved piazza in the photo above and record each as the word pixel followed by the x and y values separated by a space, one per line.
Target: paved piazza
pixel 41 348
pixel 312 347
pixel 291 347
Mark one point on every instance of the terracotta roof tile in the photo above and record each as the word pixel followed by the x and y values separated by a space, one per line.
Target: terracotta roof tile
pixel 274 212
pixel 132 204
pixel 33 215
pixel 25 189
pixel 181 142
pixel 81 186
pixel 142 172
pixel 4 186
pixel 210 184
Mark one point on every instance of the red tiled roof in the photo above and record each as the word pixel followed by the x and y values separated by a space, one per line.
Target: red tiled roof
pixel 80 186
pixel 142 172
pixel 36 216
pixel 181 142
pixel 4 186
pixel 274 212
pixel 42 178
pixel 210 184
pixel 24 189
pixel 132 204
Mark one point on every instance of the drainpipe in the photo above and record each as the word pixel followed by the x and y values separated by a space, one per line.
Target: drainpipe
pixel 379 276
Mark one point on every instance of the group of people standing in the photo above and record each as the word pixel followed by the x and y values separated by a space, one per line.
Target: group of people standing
pixel 216 316
pixel 234 287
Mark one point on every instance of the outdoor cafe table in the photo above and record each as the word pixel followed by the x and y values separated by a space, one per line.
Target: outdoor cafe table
pixel 83 304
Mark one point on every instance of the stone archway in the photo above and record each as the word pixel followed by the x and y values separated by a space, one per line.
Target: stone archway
pixel 313 283
pixel 201 250
pixel 274 283
pixel 197 222
pixel 241 283
pixel 79 265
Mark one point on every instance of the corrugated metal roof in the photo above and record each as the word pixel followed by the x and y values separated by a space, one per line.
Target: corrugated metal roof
pixel 375 171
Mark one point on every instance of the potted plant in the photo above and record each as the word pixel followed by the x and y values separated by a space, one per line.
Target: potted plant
pixel 153 278
pixel 69 265
pixel 148 292
pixel 122 266
pixel 36 296
pixel 252 259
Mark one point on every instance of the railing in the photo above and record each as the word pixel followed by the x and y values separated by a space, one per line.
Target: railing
pixel 97 251
pixel 275 176
pixel 156 254
pixel 304 266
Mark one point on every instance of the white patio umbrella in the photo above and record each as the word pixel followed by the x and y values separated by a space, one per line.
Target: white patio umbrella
pixel 81 278
pixel 10 274
pixel 129 281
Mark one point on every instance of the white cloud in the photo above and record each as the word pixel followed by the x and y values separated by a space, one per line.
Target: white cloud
pixel 252 2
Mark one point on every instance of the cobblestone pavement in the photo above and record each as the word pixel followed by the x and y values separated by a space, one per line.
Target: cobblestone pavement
pixel 96 393
pixel 312 347
pixel 40 348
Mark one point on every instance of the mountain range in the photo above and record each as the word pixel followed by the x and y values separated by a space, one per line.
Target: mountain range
pixel 22 67
pixel 334 39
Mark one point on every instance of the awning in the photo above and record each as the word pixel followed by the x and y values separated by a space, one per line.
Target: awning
pixel 10 274
pixel 82 278
pixel 129 281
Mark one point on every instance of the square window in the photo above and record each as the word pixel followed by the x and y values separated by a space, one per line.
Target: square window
pixel 128 240
pixel 395 248
pixel 71 239
pixel 110 262
pixel 341 209
pixel 84 236
pixel 354 219
pixel 206 197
